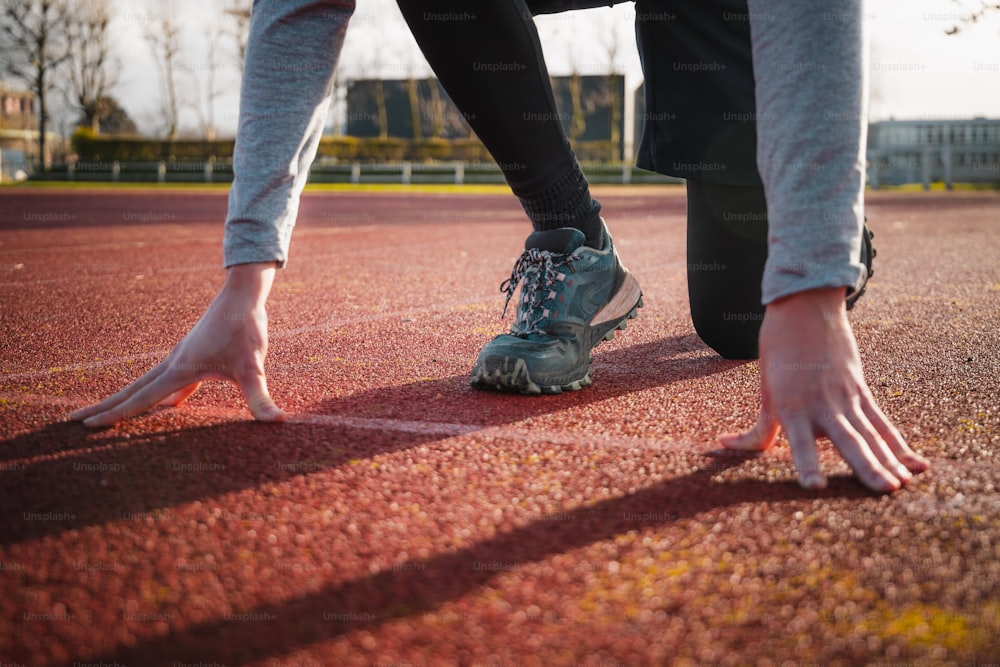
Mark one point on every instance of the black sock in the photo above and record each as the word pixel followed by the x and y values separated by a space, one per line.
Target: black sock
pixel 567 203
pixel 489 60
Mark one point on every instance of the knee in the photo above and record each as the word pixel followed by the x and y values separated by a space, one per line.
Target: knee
pixel 733 335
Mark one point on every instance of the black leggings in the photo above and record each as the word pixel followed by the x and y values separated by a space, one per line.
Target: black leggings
pixel 488 57
pixel 726 251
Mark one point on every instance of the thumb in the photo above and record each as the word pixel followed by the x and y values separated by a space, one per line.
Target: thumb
pixel 254 388
pixel 762 435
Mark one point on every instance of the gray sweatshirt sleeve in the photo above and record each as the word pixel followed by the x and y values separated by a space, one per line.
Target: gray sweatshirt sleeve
pixel 811 70
pixel 291 55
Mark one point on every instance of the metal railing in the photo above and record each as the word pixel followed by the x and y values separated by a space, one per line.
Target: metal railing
pixel 457 173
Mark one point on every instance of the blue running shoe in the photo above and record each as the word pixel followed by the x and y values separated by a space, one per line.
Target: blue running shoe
pixel 572 298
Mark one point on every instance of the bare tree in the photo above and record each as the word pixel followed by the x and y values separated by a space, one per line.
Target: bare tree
pixel 972 15
pixel 413 96
pixel 614 101
pixel 574 84
pixel 34 39
pixel 237 28
pixel 204 80
pixel 444 118
pixel 578 122
pixel 162 33
pixel 381 109
pixel 376 65
pixel 92 68
pixel 435 109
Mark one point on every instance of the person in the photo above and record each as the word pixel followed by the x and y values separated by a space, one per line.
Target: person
pixel 776 243
pixel 811 380
pixel 288 73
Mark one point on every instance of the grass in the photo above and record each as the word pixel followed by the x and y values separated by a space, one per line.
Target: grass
pixel 431 188
pixel 940 187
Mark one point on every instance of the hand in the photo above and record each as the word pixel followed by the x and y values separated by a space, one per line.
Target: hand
pixel 229 342
pixel 812 386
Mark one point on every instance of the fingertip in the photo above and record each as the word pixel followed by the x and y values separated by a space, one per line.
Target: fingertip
pixel 916 463
pixel 85 412
pixel 275 417
pixel 885 483
pixel 902 473
pixel 742 442
pixel 268 412
pixel 262 406
pixel 812 480
pixel 97 422
pixel 727 438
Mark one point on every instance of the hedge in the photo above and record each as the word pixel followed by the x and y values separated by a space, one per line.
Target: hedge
pixel 93 148
pixel 97 148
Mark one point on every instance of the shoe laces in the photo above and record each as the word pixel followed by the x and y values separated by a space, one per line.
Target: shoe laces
pixel 542 281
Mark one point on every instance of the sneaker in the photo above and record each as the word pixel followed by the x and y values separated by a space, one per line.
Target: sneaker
pixel 572 298
pixel 868 253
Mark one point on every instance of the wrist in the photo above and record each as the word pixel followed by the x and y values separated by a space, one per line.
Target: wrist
pixel 828 300
pixel 251 281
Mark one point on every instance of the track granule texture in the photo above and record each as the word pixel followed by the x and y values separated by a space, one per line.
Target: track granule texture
pixel 402 517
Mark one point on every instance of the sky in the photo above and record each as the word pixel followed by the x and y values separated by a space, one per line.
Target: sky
pixel 918 71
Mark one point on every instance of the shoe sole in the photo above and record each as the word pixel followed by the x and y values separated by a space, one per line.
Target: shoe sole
pixel 511 373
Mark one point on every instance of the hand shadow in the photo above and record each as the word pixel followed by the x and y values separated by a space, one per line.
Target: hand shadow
pixel 89 478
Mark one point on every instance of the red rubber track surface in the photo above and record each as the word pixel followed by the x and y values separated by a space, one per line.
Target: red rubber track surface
pixel 402 517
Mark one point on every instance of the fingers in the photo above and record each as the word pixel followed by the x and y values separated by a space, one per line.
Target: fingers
pixel 870 456
pixel 263 408
pixel 877 445
pixel 904 454
pixel 180 395
pixel 163 385
pixel 110 402
pixel 763 434
pixel 163 392
pixel 859 455
pixel 802 440
pixel 139 401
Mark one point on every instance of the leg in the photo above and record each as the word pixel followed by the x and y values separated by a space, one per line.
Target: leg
pixel 726 251
pixel 574 291
pixel 699 125
pixel 488 57
pixel 701 119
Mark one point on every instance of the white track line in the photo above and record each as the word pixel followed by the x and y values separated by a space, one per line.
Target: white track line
pixel 528 435
pixel 437 430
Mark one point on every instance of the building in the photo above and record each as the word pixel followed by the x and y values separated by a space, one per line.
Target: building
pixel 385 107
pixel 934 150
pixel 18 131
pixel 420 108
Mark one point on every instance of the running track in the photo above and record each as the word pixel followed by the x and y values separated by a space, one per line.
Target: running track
pixel 402 517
